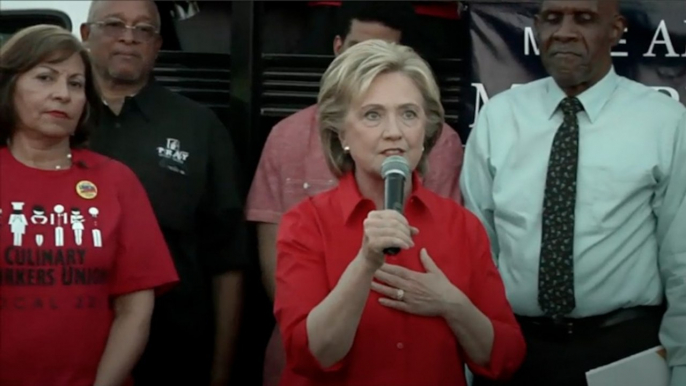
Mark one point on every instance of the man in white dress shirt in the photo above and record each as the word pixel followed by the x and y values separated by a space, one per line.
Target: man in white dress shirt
pixel 580 180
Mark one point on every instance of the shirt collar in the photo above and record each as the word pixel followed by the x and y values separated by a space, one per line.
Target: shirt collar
pixel 593 99
pixel 145 100
pixel 351 199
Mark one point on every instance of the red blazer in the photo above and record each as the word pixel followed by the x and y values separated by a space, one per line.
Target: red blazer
pixel 319 238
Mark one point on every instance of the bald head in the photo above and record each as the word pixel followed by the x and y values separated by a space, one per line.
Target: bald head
pixel 608 7
pixel 123 38
pixel 576 39
pixel 99 10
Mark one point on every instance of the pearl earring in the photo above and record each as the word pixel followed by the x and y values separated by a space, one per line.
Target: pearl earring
pixel 346 149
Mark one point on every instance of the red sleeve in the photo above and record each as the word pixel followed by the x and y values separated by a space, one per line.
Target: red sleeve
pixel 264 199
pixel 487 292
pixel 142 260
pixel 329 3
pixel 445 164
pixel 443 9
pixel 301 285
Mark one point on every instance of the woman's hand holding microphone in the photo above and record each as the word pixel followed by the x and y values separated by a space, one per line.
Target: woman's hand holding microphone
pixel 384 229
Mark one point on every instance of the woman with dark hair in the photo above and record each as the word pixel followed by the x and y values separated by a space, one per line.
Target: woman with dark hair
pixel 82 253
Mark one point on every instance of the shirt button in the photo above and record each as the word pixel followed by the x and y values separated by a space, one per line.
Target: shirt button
pixel 117 125
pixel 306 185
pixel 400 345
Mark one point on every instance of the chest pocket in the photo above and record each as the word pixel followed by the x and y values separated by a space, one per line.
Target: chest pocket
pixel 296 189
pixel 610 196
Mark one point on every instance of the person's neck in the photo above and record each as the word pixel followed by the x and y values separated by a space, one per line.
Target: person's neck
pixel 114 92
pixel 372 188
pixel 576 90
pixel 41 153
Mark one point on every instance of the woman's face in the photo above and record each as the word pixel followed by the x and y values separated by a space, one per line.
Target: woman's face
pixel 388 120
pixel 49 98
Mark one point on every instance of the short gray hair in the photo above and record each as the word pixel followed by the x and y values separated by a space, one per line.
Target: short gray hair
pixel 350 75
pixel 96 4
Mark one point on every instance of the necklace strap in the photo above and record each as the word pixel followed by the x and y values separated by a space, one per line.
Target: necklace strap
pixel 57 167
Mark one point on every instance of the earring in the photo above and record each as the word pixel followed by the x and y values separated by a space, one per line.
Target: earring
pixel 346 149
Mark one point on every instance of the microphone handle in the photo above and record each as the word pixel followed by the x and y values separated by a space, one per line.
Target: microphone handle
pixel 391 251
pixel 394 189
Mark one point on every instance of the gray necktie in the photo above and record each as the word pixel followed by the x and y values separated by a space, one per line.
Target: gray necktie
pixel 556 266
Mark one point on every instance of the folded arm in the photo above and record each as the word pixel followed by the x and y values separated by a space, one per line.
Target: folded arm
pixel 332 324
pixel 485 325
pixel 472 328
pixel 318 321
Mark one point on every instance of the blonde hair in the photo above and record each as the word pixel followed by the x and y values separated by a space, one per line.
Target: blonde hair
pixel 350 75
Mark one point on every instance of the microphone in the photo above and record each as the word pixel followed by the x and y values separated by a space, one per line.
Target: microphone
pixel 395 170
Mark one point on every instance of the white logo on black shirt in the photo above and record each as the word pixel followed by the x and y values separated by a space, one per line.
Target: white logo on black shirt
pixel 172 157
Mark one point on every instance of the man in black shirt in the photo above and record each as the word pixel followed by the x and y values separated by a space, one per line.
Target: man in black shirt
pixel 185 159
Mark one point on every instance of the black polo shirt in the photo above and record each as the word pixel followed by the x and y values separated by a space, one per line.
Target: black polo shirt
pixel 185 159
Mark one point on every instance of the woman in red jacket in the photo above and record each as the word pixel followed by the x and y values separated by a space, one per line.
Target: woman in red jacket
pixel 81 250
pixel 348 313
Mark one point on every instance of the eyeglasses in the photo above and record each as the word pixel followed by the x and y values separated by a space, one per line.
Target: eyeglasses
pixel 116 28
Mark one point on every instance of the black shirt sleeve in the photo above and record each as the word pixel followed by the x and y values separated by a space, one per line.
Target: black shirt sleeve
pixel 222 229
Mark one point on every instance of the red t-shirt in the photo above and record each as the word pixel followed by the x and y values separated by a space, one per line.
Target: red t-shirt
pixel 70 241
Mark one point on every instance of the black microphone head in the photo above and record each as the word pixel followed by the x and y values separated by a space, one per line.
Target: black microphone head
pixel 395 164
